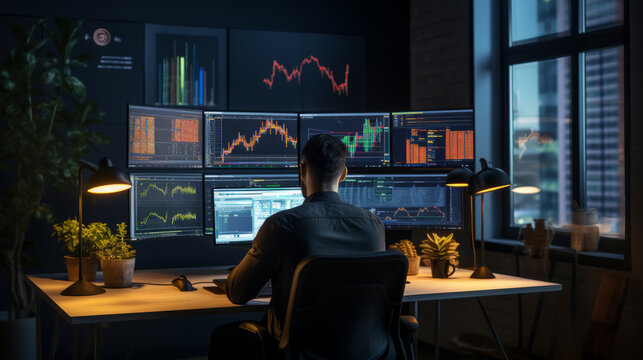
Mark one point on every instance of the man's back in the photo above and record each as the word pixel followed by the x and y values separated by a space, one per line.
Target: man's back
pixel 323 225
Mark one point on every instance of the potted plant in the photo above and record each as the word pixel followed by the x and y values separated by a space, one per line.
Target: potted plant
pixel 45 123
pixel 67 235
pixel 407 248
pixel 443 254
pixel 117 258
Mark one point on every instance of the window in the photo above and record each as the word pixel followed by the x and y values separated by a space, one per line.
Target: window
pixel 565 71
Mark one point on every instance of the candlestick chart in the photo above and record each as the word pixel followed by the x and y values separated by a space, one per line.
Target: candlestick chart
pixel 405 201
pixel 365 135
pixel 166 205
pixel 251 139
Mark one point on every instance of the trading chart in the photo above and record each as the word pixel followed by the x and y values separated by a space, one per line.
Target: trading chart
pixel 161 137
pixel 251 139
pixel 433 138
pixel 165 205
pixel 406 201
pixel 365 135
pixel 185 66
pixel 250 181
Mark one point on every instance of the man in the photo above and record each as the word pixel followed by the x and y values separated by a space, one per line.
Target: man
pixel 323 225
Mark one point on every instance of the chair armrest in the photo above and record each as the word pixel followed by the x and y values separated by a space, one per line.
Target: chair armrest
pixel 408 323
pixel 261 338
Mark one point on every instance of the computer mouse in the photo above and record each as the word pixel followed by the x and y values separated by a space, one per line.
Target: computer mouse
pixel 182 283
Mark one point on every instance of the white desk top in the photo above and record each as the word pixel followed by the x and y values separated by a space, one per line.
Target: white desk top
pixel 161 301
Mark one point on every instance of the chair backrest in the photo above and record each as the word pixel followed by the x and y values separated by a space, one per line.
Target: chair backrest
pixel 346 307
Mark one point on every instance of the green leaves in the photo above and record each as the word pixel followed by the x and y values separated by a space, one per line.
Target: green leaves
pixel 439 248
pixel 115 246
pixel 45 122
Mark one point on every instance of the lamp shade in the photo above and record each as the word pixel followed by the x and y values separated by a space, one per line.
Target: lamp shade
pixel 108 179
pixel 488 179
pixel 525 184
pixel 459 177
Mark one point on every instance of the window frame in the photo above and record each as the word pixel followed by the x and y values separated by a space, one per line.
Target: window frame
pixel 572 45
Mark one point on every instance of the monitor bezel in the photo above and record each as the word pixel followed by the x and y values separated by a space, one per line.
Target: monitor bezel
pixel 129 166
pixel 244 242
pixel 330 113
pixel 470 165
pixel 249 167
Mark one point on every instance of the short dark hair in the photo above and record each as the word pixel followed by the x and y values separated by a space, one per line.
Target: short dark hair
pixel 325 156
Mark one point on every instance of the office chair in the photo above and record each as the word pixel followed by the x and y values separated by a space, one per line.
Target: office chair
pixel 344 307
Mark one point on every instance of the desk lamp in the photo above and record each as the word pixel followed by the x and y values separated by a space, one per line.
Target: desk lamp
pixel 486 180
pixel 460 177
pixel 106 179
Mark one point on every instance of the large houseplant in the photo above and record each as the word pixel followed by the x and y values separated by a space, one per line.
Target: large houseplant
pixel 45 125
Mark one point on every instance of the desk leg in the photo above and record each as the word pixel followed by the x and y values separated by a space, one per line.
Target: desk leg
pixel 520 312
pixel 493 330
pixel 539 309
pixel 38 328
pixel 436 352
pixel 97 341
pixel 55 335
pixel 74 342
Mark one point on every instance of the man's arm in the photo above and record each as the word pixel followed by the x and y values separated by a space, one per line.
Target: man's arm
pixel 253 272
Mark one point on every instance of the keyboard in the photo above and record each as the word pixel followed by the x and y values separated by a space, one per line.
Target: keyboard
pixel 266 290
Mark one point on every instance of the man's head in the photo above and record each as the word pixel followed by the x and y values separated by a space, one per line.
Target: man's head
pixel 323 164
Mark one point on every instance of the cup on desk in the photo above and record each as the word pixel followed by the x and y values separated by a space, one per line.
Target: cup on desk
pixel 441 269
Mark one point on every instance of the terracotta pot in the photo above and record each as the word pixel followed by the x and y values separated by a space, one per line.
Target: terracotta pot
pixel 117 273
pixel 414 265
pixel 440 269
pixel 90 266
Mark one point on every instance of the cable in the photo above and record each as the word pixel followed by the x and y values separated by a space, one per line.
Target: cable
pixel 155 284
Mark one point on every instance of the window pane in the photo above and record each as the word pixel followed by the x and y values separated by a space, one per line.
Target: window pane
pixel 599 14
pixel 604 138
pixel 541 152
pixel 531 19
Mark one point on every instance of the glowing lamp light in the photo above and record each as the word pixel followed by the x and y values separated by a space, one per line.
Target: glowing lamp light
pixel 526 190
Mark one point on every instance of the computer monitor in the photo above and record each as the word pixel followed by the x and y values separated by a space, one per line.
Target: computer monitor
pixel 239 213
pixel 406 201
pixel 166 205
pixel 365 134
pixel 164 137
pixel 250 140
pixel 237 181
pixel 441 139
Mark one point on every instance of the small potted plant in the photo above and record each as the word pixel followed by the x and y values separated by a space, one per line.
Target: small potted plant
pixel 117 258
pixel 407 248
pixel 443 254
pixel 66 233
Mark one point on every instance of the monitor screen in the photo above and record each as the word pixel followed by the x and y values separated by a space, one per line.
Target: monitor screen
pixel 237 181
pixel 405 201
pixel 166 205
pixel 433 138
pixel 164 137
pixel 250 140
pixel 365 135
pixel 239 213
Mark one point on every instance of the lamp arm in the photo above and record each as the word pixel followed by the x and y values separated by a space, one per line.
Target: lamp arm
pixel 83 164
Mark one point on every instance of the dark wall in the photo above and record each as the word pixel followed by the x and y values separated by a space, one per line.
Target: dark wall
pixel 440 54
pixel 384 24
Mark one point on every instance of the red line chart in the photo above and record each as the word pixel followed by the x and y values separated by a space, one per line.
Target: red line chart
pixel 296 72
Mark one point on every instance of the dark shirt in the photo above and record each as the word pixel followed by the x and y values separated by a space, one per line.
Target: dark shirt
pixel 322 225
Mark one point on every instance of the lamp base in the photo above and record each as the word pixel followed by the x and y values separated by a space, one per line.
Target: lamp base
pixel 82 288
pixel 482 272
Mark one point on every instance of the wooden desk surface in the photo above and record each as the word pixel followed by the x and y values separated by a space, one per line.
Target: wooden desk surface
pixel 143 301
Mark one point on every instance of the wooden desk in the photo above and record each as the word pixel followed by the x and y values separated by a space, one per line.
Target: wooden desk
pixel 145 301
